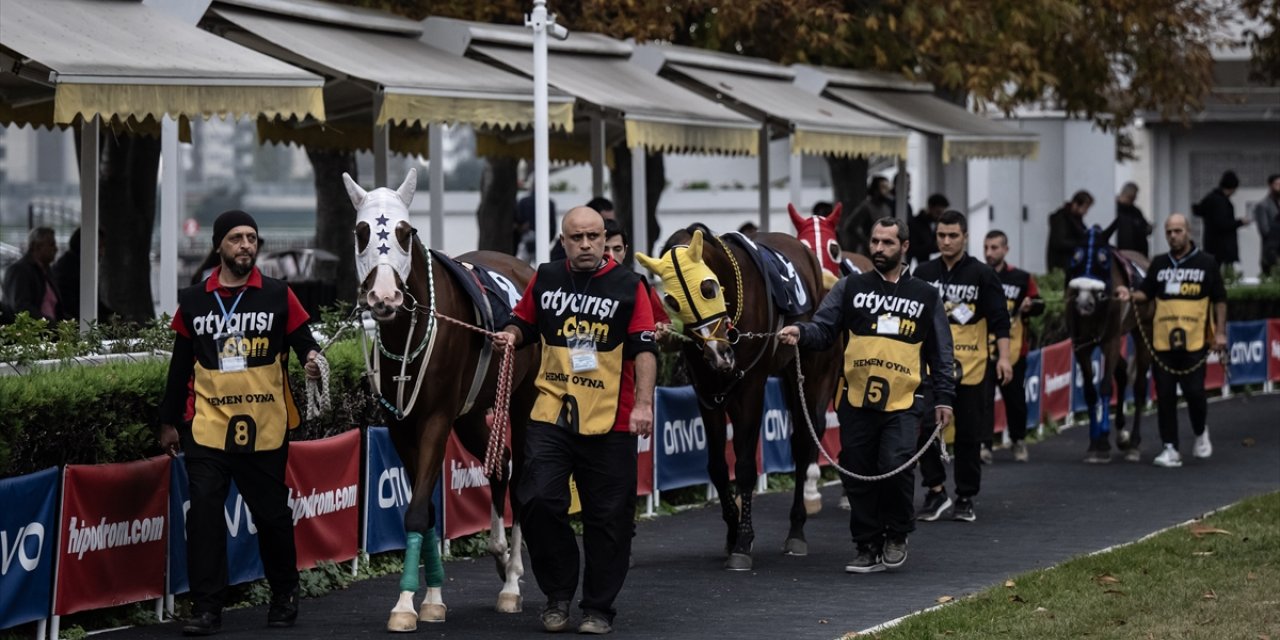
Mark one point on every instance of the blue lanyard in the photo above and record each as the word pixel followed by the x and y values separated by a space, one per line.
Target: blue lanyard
pixel 226 315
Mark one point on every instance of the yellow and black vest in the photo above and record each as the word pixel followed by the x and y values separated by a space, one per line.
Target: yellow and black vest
pixel 251 409
pixel 974 286
pixel 884 367
pixel 1016 284
pixel 1183 291
pixel 600 306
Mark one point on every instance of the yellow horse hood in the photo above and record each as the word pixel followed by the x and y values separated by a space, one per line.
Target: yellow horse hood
pixel 692 290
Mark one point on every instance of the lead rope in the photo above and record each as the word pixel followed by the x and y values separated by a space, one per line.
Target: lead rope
pixel 813 432
pixel 493 467
pixel 317 389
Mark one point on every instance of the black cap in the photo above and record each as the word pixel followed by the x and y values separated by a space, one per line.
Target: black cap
pixel 229 220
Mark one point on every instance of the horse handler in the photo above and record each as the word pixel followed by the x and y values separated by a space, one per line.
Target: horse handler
pixel 1185 284
pixel 892 326
pixel 595 395
pixel 228 392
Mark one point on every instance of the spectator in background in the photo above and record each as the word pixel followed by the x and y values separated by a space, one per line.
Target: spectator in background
pixel 1267 214
pixel 1130 226
pixel 66 274
pixel 1220 222
pixel 1067 230
pixel 924 246
pixel 823 208
pixel 855 230
pixel 29 285
pixel 526 225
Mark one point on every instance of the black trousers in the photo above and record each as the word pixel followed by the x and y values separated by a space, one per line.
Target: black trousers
pixel 972 424
pixel 604 468
pixel 1167 386
pixel 1015 402
pixel 260 478
pixel 874 442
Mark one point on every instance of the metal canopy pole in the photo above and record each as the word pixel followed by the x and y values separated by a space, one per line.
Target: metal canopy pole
pixel 170 203
pixel 764 178
pixel 540 21
pixel 639 202
pixel 381 144
pixel 596 124
pixel 435 167
pixel 90 157
pixel 796 181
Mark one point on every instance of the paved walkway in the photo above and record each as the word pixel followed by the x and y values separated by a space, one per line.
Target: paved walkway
pixel 1029 516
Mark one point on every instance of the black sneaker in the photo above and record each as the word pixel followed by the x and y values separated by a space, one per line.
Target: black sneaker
pixel 935 504
pixel 555 618
pixel 284 609
pixel 894 553
pixel 203 624
pixel 964 510
pixel 595 624
pixel 867 561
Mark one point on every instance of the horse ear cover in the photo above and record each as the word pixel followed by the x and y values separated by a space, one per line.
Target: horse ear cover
pixel 408 187
pixel 796 219
pixel 652 264
pixel 354 191
pixel 834 216
pixel 695 246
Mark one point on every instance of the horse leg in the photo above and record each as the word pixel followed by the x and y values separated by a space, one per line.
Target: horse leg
pixel 806 499
pixel 1141 363
pixel 473 432
pixel 421 542
pixel 746 413
pixel 1120 367
pixel 1090 400
pixel 718 470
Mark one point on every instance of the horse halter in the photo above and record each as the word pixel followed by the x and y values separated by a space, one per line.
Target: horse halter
pixel 692 289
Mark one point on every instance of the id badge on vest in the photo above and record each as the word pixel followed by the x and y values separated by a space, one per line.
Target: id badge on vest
pixel 888 325
pixel 582 353
pixel 1172 288
pixel 962 313
pixel 231 354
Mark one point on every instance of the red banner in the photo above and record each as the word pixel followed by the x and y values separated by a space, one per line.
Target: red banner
pixel 466 493
pixel 1056 380
pixel 830 439
pixel 1214 374
pixel 644 466
pixel 1273 349
pixel 114 529
pixel 1001 419
pixel 323 478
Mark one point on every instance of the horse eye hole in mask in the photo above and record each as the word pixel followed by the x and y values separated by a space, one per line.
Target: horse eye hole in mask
pixel 404 234
pixel 362 236
pixel 671 302
pixel 710 289
pixel 833 250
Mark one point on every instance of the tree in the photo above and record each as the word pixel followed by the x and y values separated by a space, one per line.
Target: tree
pixel 335 216
pixel 1263 36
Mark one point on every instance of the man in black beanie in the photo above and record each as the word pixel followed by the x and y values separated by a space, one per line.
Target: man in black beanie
pixel 1221 223
pixel 227 405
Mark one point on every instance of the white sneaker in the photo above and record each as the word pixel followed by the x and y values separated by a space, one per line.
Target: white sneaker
pixel 1204 448
pixel 1169 458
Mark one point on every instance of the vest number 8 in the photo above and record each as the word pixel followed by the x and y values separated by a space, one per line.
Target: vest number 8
pixel 242 433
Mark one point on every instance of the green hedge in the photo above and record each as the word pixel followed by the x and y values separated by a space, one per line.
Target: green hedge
pixel 97 414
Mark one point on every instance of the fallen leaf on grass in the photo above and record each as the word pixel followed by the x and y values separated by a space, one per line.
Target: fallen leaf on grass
pixel 1106 578
pixel 1263 636
pixel 1201 553
pixel 822 621
pixel 1115 592
pixel 1200 530
pixel 944 599
pixel 1041 610
pixel 1251 576
pixel 1009 584
pixel 1016 598
pixel 1248 442
pixel 1210 595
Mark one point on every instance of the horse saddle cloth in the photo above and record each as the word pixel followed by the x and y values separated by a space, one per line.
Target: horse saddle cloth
pixel 493 294
pixel 781 279
pixel 847 268
pixel 1134 273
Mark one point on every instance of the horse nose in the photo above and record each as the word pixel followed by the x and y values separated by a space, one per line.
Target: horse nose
pixel 382 300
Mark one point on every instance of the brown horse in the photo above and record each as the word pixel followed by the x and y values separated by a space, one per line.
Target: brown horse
pixel 1095 318
pixel 722 298
pixel 427 393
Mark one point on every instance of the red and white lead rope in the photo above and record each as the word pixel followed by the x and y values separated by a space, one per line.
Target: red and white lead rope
pixel 493 467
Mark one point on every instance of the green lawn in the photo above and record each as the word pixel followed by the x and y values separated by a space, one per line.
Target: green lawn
pixel 1216 579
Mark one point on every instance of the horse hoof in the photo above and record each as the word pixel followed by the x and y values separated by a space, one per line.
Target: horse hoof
pixel 431 612
pixel 510 603
pixel 738 562
pixel 813 506
pixel 795 547
pixel 402 622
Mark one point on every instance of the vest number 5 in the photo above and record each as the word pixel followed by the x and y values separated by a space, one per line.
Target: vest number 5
pixel 876 394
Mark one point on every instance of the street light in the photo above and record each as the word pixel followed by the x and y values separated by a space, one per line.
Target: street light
pixel 542 23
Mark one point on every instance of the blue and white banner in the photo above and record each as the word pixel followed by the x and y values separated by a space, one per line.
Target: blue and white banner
pixel 28 538
pixel 243 562
pixel 776 429
pixel 1247 342
pixel 680 439
pixel 1034 385
pixel 387 495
